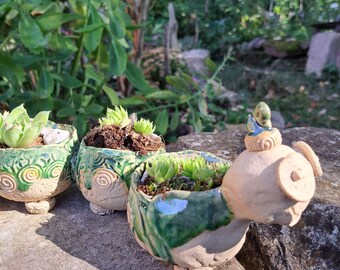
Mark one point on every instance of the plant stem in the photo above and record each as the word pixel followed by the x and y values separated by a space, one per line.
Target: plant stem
pixel 199 92
pixel 76 61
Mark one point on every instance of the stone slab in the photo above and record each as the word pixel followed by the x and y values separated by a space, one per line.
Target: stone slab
pixel 71 237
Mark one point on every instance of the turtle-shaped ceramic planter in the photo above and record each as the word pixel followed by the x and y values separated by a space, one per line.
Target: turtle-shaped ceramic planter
pixel 103 176
pixel 36 174
pixel 268 182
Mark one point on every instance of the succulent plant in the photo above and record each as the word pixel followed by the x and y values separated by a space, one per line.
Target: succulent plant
pixel 195 173
pixel 190 166
pixel 118 116
pixel 18 130
pixel 144 127
pixel 220 169
pixel 163 169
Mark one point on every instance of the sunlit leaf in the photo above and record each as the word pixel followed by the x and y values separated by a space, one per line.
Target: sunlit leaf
pixel 202 106
pixel 164 94
pixel 49 22
pixel 132 101
pixel 112 95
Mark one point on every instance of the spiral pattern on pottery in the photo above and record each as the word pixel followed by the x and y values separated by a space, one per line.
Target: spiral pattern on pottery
pixel 264 141
pixel 30 173
pixel 55 169
pixel 104 178
pixel 7 182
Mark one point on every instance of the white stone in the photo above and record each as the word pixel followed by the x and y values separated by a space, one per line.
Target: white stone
pixel 54 135
pixel 324 49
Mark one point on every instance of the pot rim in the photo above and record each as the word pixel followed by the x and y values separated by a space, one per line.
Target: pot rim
pixel 73 137
pixel 136 176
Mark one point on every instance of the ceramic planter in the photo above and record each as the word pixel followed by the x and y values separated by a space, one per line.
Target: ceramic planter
pixel 35 175
pixel 165 222
pixel 103 176
pixel 268 183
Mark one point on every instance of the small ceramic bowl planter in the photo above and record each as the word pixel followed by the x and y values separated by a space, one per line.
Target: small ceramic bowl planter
pixel 103 173
pixel 268 182
pixel 35 174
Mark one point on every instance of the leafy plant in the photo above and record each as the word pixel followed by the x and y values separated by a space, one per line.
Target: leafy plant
pixel 118 116
pixel 62 56
pixel 18 130
pixel 189 100
pixel 144 127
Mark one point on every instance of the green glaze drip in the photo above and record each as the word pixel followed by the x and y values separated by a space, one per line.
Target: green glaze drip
pixel 204 211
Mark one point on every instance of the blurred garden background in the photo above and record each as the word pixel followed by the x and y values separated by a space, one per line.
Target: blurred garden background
pixel 189 66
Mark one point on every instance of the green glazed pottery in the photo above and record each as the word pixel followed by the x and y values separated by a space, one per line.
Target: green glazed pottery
pixel 35 175
pixel 166 221
pixel 103 176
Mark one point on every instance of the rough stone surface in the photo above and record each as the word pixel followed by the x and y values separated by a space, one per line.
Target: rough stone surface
pixel 324 49
pixel 313 243
pixel 195 60
pixel 72 237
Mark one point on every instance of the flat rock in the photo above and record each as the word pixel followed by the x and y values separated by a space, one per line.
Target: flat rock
pixel 72 237
pixel 313 243
pixel 324 50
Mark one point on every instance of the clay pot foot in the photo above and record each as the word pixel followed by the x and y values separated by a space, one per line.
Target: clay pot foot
pixel 40 207
pixel 100 210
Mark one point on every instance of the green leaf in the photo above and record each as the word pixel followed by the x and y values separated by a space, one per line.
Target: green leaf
pixel 41 117
pixel 102 57
pixel 92 39
pixel 112 95
pixel 179 84
pixel 117 26
pixel 7 94
pixel 62 43
pixel 174 120
pixel 80 123
pixel 203 106
pixel 90 28
pixel 45 84
pixel 163 94
pixel 67 80
pixel 49 22
pixel 118 59
pixel 91 73
pixel 135 76
pixel 162 122
pixel 94 109
pixel 30 33
pixel 26 60
pixel 13 72
pixel 135 100
pixel 211 65
pixel 66 112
